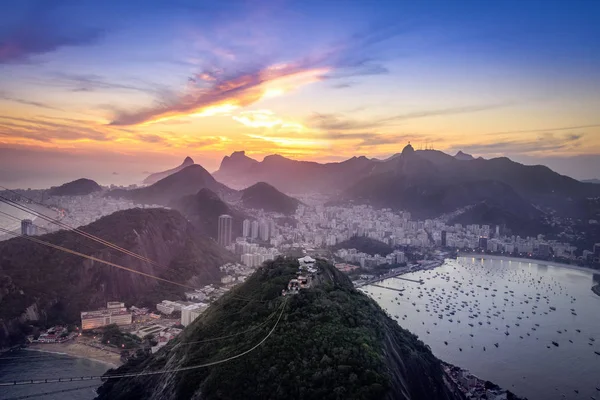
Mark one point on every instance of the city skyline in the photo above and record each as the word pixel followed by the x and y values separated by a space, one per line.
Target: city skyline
pixel 139 86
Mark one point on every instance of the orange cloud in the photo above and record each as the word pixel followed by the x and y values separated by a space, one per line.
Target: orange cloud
pixel 228 94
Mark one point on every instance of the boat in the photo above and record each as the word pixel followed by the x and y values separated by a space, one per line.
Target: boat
pixel 496 344
pixel 554 343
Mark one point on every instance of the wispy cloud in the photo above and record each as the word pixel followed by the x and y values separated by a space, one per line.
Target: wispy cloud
pixel 544 143
pixel 14 99
pixel 338 121
pixel 541 130
pixel 365 140
pixel 238 78
pixel 42 130
pixel 226 93
pixel 448 111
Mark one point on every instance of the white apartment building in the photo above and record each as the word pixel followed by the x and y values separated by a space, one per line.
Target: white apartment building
pixel 191 312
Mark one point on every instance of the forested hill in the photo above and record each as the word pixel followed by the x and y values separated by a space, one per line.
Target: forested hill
pixel 327 342
pixel 42 285
pixel 365 245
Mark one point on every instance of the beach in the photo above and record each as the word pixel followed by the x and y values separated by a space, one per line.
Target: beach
pixel 74 348
pixel 530 260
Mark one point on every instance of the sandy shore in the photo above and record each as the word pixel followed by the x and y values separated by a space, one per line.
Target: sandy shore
pixel 75 349
pixel 528 260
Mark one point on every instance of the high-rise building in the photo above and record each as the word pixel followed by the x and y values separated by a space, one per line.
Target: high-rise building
pixel 597 250
pixel 224 232
pixel 263 230
pixel 483 243
pixel 444 238
pixel 246 228
pixel 544 250
pixel 27 227
pixel 254 230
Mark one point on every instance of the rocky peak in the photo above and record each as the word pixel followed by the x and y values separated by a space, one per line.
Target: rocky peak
pixel 463 156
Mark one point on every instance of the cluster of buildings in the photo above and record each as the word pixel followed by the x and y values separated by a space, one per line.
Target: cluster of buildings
pixel 321 226
pixel 236 273
pixel 56 334
pixel 76 211
pixel 306 274
pixel 594 255
pixel 114 313
pixel 160 333
pixel 483 238
pixel 252 255
pixel 262 229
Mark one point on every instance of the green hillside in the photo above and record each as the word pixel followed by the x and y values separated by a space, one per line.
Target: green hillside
pixel 332 342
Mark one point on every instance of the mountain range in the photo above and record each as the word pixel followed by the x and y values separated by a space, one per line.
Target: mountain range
pixel 153 178
pixel 427 183
pixel 288 176
pixel 39 283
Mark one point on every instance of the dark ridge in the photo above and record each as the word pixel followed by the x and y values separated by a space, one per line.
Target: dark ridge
pixel 79 187
pixel 264 196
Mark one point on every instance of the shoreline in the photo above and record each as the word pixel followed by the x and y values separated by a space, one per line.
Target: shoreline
pixel 530 260
pixel 78 350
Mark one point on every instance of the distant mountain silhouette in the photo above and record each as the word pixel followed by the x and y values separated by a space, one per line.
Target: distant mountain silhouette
pixel 463 156
pixel 234 168
pixel 594 181
pixel 79 187
pixel 266 197
pixel 153 178
pixel 429 183
pixel 290 176
pixel 185 182
pixel 203 210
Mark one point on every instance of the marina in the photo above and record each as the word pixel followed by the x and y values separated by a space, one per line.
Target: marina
pixel 518 324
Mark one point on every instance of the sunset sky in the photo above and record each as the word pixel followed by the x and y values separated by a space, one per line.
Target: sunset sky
pixel 112 90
